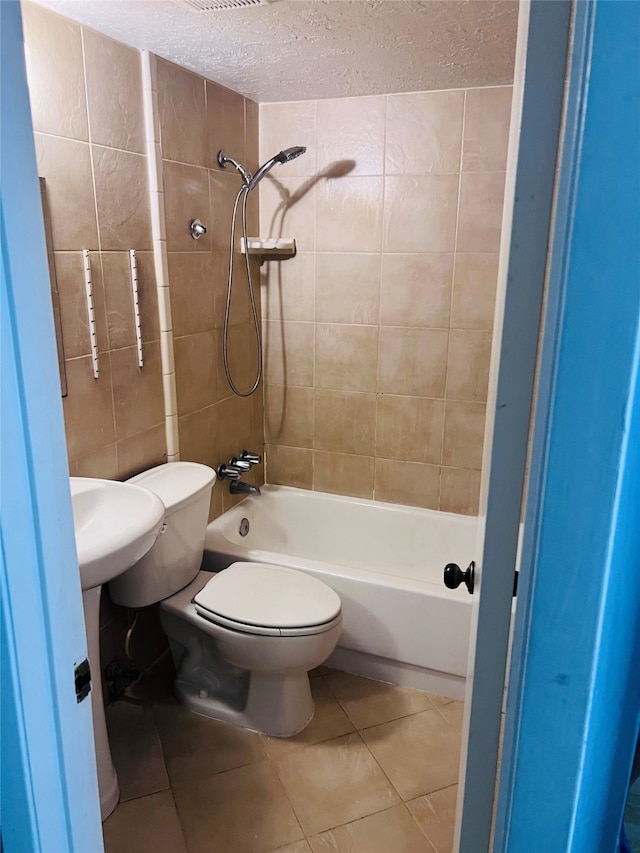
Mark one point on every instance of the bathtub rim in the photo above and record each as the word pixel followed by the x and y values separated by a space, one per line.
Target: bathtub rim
pixel 261 555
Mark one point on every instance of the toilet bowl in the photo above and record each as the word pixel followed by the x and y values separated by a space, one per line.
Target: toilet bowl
pixel 243 640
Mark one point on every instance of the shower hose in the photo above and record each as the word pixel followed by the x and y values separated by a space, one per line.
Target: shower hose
pixel 243 192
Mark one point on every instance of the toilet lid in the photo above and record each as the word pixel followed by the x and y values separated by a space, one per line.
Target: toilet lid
pixel 272 597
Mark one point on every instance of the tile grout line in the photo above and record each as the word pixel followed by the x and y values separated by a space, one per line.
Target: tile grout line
pixel 182 831
pixel 384 722
pixel 315 272
pixel 447 721
pixel 428 796
pixel 274 766
pixel 381 267
pixel 415 820
pixel 268 104
pixel 455 248
pixel 377 763
pixel 364 817
pixel 358 732
pixel 380 767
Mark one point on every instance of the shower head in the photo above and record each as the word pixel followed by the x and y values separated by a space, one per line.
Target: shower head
pixel 250 181
pixel 290 153
pixel 281 157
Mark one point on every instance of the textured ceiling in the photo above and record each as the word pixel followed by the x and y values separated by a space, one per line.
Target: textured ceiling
pixel 305 49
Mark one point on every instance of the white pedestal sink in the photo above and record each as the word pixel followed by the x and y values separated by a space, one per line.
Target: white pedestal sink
pixel 115 525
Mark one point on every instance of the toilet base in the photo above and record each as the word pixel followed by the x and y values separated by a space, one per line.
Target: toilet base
pixel 276 705
pixel 259 682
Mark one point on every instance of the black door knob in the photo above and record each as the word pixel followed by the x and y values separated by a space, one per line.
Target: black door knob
pixel 454 576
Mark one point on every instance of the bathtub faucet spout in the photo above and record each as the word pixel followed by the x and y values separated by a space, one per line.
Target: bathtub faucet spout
pixel 236 487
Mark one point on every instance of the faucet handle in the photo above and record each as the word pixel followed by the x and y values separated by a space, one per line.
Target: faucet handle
pixel 229 472
pixel 241 464
pixel 251 458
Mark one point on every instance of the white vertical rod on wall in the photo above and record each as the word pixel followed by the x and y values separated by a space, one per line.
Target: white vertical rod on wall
pixel 93 339
pixel 136 304
pixel 160 256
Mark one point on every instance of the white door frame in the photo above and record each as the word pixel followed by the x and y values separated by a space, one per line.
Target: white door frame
pixel 541 56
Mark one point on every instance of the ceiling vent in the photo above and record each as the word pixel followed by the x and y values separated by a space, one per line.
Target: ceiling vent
pixel 219 5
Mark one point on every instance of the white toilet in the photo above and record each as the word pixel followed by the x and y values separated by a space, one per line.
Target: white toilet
pixel 244 639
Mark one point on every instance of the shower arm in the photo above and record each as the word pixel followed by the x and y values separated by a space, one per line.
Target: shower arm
pixel 224 159
pixel 254 180
pixel 250 181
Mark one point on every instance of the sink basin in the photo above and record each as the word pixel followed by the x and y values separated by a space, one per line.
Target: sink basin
pixel 115 525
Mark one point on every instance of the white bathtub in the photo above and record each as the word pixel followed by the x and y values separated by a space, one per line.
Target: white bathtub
pixel 401 624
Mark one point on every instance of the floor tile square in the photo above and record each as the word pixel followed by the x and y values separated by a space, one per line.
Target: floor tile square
pixel 436 815
pixel 632 817
pixel 146 825
pixel 419 754
pixel 240 811
pixel 135 750
pixel 389 831
pixel 334 782
pixel 369 703
pixel 329 721
pixel 195 746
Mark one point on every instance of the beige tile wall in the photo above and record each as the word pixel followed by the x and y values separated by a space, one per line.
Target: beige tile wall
pixel 197 119
pixel 86 103
pixel 86 96
pixel 377 334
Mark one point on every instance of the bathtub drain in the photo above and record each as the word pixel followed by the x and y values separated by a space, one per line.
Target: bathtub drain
pixel 244 527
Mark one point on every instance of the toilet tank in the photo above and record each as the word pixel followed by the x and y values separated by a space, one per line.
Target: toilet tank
pixel 175 558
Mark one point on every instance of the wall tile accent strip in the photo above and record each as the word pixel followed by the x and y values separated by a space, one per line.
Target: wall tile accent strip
pixel 160 257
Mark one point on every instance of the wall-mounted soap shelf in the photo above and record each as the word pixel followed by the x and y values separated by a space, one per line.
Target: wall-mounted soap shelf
pixel 269 247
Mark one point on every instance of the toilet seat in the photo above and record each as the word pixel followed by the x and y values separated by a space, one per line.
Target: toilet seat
pixel 268 600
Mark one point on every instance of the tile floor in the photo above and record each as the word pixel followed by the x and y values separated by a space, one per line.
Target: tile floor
pixel 632 817
pixel 374 772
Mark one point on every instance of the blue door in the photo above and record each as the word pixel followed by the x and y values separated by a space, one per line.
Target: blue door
pixel 574 698
pixel 49 782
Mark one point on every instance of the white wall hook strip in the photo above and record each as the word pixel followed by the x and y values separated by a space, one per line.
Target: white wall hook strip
pixel 136 304
pixel 93 339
